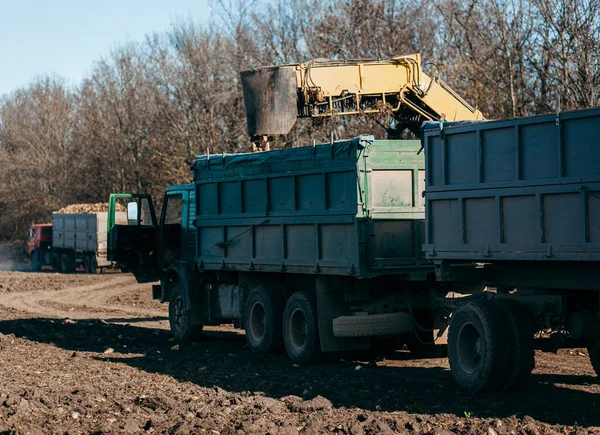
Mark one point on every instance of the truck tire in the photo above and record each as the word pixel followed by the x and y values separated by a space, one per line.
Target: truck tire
pixel 90 264
pixel 86 264
pixel 594 352
pixel 478 346
pixel 65 263
pixel 93 265
pixel 301 329
pixel 520 337
pixel 56 263
pixel 181 322
pixel 262 320
pixel 372 325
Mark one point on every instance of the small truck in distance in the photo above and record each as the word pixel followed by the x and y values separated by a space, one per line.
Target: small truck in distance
pixel 71 241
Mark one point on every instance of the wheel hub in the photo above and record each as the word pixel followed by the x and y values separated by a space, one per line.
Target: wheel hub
pixel 470 348
pixel 258 321
pixel 298 329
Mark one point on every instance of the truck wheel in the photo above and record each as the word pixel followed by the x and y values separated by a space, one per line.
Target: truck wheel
pixel 56 263
pixel 301 329
pixel 594 352
pixel 372 325
pixel 262 320
pixel 478 346
pixel 36 264
pixel 93 265
pixel 90 264
pixel 65 263
pixel 180 319
pixel 520 337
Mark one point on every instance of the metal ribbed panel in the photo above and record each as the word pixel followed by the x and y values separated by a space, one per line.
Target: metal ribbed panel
pixel 519 189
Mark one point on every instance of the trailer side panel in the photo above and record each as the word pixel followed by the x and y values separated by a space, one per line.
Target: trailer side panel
pixel 348 208
pixel 523 189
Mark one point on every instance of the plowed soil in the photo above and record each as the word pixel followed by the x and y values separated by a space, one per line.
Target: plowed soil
pixel 93 354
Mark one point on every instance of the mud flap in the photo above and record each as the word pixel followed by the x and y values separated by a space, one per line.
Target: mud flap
pixel 331 304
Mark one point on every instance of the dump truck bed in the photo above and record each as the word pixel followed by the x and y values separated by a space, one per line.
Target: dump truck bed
pixel 521 189
pixel 80 233
pixel 347 208
pixel 77 231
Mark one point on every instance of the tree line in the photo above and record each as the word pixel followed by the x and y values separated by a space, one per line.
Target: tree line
pixel 142 114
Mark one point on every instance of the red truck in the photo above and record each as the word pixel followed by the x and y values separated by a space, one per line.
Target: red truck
pixel 39 246
pixel 70 241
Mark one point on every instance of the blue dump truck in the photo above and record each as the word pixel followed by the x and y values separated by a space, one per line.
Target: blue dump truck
pixel 493 230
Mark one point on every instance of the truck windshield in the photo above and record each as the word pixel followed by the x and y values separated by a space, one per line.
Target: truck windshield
pixel 47 231
pixel 173 211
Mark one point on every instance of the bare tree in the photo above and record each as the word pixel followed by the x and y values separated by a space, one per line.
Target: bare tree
pixel 36 152
pixel 567 58
pixel 117 118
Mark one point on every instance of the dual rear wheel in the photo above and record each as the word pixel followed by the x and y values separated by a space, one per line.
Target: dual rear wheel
pixel 262 320
pixel 271 325
pixel 490 345
pixel 301 329
pixel 66 263
pixel 90 264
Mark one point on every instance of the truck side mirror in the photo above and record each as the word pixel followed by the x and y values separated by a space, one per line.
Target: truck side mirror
pixel 132 212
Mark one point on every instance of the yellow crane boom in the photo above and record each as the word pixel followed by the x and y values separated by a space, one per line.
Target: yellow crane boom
pixel 276 96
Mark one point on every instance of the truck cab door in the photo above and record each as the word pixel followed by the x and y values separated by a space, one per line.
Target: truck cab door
pixel 30 246
pixel 173 228
pixel 132 235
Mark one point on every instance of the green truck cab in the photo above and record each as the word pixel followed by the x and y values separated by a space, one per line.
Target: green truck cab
pixel 145 245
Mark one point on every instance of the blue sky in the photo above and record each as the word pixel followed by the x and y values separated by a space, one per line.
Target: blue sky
pixel 66 36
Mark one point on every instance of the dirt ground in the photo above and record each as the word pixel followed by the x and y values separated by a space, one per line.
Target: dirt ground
pixel 92 354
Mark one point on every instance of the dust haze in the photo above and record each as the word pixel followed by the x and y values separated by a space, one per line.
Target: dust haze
pixel 8 258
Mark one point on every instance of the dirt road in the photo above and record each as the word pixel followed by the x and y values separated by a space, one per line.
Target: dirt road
pixel 92 354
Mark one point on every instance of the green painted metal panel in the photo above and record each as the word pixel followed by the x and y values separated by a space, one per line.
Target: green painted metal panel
pixel 352 207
